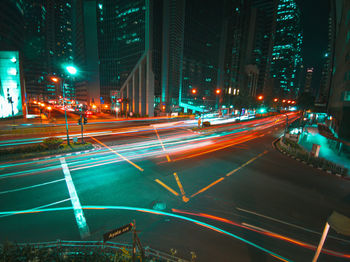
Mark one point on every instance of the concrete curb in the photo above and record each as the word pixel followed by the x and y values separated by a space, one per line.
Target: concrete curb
pixel 329 172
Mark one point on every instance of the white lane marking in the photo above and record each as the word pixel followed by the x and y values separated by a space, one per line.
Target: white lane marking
pixel 255 227
pixel 289 224
pixel 39 207
pixel 78 211
pixel 275 219
pixel 29 187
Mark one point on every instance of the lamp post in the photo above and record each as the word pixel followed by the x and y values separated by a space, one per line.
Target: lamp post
pixel 72 71
pixel 286 127
pixel 41 105
pixel 49 108
pixel 218 93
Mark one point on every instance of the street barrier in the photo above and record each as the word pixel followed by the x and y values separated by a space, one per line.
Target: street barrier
pixel 109 251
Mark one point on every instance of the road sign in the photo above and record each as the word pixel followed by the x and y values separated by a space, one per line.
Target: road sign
pixel 117 232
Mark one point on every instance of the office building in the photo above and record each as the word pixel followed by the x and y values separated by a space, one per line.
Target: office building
pixel 308 80
pixel 339 98
pixel 286 54
pixel 172 53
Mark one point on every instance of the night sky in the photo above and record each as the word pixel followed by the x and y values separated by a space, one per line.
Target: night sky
pixel 315 25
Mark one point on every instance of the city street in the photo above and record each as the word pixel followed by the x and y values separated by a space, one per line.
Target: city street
pixel 225 194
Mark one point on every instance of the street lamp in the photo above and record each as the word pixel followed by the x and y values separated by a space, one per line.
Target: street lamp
pixel 49 108
pixel 41 105
pixel 71 71
pixel 218 92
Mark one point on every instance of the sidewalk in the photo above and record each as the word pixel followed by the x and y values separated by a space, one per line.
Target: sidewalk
pixel 311 136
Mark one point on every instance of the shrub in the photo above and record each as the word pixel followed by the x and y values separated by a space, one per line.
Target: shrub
pixel 53 142
pixel 206 124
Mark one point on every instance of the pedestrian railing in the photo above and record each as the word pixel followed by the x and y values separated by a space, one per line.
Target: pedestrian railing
pixel 81 251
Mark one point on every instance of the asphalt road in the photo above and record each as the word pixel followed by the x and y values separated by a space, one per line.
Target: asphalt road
pixel 225 194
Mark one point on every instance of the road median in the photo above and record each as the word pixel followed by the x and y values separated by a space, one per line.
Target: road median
pixel 40 150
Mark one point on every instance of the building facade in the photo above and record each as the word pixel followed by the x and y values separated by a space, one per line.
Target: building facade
pixel 286 54
pixel 308 80
pixel 339 98
pixel 12 91
pixel 172 53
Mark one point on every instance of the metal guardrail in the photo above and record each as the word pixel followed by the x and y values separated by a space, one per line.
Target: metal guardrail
pixel 66 247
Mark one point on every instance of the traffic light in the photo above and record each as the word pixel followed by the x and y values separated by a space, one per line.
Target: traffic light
pixel 218 91
pixel 119 100
pixel 194 91
pixel 85 120
pixel 79 121
pixel 261 97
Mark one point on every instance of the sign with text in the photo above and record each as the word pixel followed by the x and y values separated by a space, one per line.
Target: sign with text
pixel 117 232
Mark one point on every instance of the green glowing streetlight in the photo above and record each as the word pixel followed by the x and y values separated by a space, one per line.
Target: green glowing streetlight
pixel 71 69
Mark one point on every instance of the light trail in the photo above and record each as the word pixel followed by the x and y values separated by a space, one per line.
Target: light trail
pixel 160 141
pixel 31 187
pixel 162 213
pixel 179 143
pixel 263 232
pixel 123 157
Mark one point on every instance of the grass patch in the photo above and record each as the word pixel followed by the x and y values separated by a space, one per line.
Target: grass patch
pixel 40 150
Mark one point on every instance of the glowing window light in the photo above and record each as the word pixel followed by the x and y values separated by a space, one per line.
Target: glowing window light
pixel 12 71
pixel 10 85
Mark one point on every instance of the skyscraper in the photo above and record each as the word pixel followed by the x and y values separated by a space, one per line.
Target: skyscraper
pixel 234 37
pixel 172 53
pixel 121 40
pixel 59 34
pixel 328 60
pixel 248 35
pixel 35 51
pixel 339 98
pixel 308 80
pixel 286 53
pixel 200 53
pixel 125 42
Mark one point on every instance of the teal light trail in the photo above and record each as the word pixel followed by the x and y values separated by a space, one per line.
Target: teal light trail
pixel 145 210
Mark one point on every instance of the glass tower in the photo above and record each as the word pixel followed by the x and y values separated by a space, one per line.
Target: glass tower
pixel 286 53
pixel 121 41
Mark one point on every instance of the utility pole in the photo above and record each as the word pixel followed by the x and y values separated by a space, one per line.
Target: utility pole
pixel 82 125
pixel 82 121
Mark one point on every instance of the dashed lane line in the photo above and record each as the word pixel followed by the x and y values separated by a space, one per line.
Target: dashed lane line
pixel 167 187
pixel 184 198
pixel 230 173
